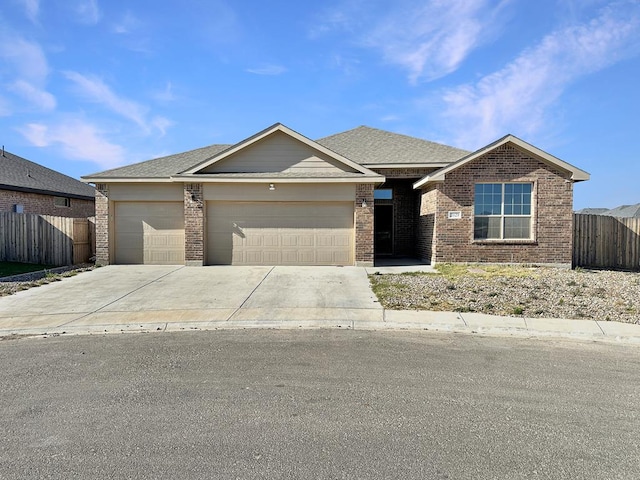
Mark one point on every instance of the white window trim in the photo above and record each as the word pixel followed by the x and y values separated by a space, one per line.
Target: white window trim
pixel 502 216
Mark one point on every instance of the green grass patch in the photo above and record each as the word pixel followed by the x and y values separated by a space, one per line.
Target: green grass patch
pixel 14 268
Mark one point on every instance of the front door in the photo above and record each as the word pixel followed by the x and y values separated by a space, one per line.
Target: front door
pixel 383 227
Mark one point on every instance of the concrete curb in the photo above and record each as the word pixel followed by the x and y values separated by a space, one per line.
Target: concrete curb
pixel 452 322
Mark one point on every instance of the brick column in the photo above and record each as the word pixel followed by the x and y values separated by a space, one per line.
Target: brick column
pixel 102 224
pixel 364 225
pixel 193 224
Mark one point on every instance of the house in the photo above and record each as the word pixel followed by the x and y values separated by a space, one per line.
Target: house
pixel 622 211
pixel 26 187
pixel 280 198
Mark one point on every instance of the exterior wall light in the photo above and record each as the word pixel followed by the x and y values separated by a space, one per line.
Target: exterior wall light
pixel 272 187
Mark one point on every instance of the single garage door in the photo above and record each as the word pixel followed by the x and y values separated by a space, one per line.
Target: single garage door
pixel 280 233
pixel 150 233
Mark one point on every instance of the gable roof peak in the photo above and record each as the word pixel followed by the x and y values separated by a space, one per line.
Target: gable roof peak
pixel 577 175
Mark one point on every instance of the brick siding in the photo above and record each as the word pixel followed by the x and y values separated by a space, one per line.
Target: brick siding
pixel 364 224
pixel 406 207
pixel 102 224
pixel 193 224
pixel 552 200
pixel 40 204
pixel 425 238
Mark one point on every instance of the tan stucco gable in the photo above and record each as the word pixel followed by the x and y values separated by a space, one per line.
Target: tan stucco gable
pixel 576 174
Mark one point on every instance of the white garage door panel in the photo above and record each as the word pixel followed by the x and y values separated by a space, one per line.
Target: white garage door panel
pixel 280 233
pixel 149 233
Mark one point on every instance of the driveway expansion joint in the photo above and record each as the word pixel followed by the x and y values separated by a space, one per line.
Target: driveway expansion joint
pixel 252 292
pixel 124 296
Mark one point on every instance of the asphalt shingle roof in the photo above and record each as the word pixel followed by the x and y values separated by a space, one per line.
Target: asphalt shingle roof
pixel 164 166
pixel 371 146
pixel 623 211
pixel 362 145
pixel 17 173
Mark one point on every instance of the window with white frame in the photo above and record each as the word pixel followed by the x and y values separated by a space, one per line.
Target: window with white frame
pixel 502 211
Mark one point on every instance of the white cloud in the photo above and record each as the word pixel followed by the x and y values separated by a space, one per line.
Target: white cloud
pixel 36 96
pixel 27 58
pixel 268 70
pixel 87 11
pixel 25 70
pixel 78 139
pixel 5 111
pixel 430 39
pixel 162 123
pixel 97 91
pixel 128 24
pixel 32 9
pixel 519 96
pixel 165 95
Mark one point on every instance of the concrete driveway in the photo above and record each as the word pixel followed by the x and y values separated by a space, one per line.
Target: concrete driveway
pixel 196 297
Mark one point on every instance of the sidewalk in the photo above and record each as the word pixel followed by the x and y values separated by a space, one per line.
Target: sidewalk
pixel 348 319
pixel 130 298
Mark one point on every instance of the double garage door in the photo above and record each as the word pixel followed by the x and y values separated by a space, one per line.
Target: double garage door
pixel 238 233
pixel 280 233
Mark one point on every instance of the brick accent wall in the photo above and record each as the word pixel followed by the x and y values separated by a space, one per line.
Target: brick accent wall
pixel 552 200
pixel 193 224
pixel 102 224
pixel 406 207
pixel 40 204
pixel 425 237
pixel 364 224
pixel 405 204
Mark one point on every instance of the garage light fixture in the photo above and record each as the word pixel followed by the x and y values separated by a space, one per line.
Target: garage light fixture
pixel 364 203
pixel 272 187
pixel 196 200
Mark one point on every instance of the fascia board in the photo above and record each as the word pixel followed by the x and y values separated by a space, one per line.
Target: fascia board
pixel 221 179
pixel 126 179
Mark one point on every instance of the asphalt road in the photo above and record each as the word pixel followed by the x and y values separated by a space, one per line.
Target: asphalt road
pixel 317 404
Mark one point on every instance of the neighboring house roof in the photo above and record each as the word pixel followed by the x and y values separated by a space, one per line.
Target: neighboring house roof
pixel 20 174
pixel 593 211
pixel 577 175
pixel 623 211
pixel 373 148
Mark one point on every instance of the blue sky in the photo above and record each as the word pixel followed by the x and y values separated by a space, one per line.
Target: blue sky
pixel 87 85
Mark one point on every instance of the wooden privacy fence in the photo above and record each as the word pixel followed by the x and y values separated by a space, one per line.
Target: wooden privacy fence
pixel 606 242
pixel 46 239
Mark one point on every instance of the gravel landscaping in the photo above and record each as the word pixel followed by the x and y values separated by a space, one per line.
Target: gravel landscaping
pixel 516 291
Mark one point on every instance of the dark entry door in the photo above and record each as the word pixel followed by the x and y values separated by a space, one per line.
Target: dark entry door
pixel 383 227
